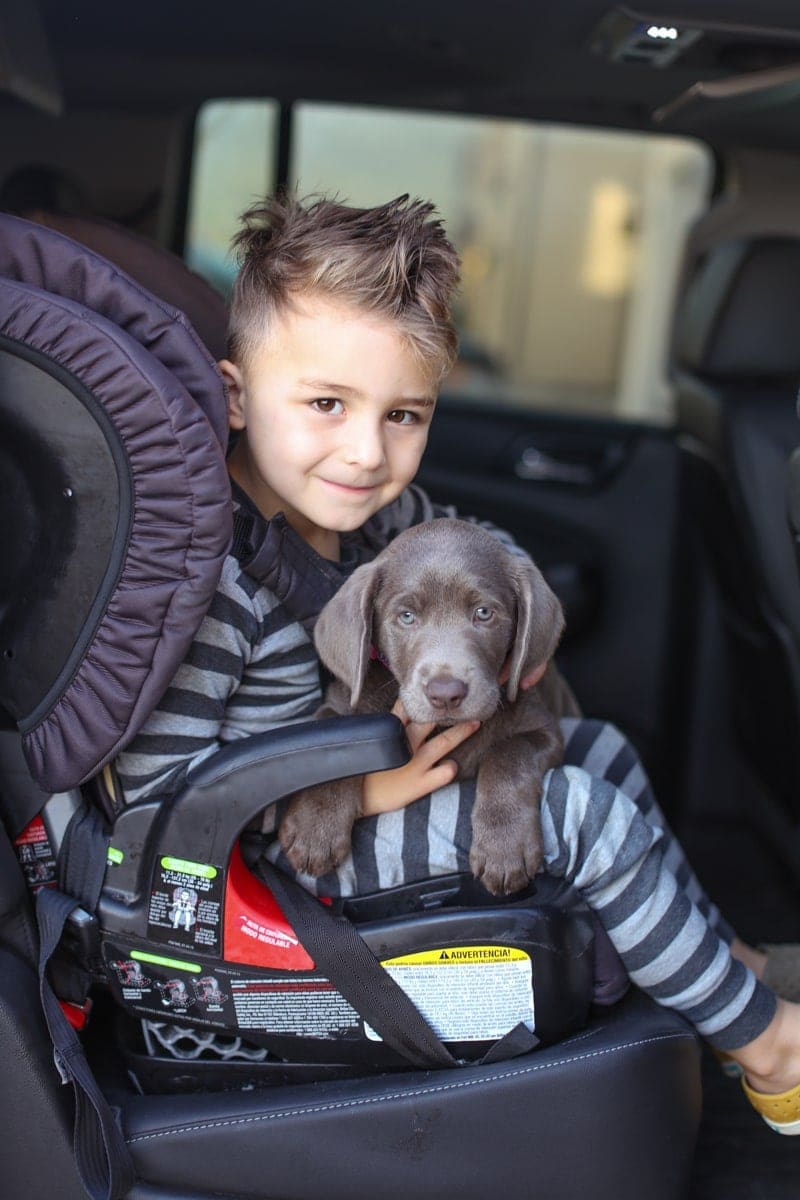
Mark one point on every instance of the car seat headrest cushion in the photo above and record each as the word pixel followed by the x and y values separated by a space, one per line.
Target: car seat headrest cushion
pixel 155 268
pixel 739 317
pixel 175 537
pixel 34 254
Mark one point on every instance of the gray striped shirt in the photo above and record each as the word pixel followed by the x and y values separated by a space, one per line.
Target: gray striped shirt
pixel 252 666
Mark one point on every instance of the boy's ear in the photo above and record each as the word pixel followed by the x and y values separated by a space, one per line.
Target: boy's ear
pixel 234 385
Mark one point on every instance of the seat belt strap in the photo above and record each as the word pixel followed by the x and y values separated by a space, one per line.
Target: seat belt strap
pixel 344 957
pixel 101 1155
pixel 340 952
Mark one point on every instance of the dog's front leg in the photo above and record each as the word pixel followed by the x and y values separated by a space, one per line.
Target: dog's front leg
pixel 317 828
pixel 506 825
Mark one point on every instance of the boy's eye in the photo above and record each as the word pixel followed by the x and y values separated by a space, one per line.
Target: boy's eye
pixel 402 416
pixel 327 404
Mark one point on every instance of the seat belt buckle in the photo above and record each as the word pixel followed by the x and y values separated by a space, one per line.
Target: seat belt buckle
pixel 77 1014
pixel 81 936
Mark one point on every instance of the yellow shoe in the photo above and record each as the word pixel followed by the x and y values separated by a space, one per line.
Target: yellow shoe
pixel 781 1111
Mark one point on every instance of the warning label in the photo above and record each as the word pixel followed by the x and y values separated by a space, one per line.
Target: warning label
pixel 186 905
pixel 467 993
pixel 35 855
pixel 473 954
pixel 218 995
pixel 159 983
pixel 311 1007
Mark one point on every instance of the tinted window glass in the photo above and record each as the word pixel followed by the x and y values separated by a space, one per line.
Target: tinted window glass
pixel 571 238
pixel 232 165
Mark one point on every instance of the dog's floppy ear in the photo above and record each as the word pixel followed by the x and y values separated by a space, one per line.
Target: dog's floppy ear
pixel 343 633
pixel 540 623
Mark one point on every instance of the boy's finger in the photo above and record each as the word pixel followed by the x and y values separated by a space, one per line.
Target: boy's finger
pixel 440 775
pixel 459 733
pixel 527 681
pixel 416 734
pixel 532 678
pixel 448 739
pixel 399 711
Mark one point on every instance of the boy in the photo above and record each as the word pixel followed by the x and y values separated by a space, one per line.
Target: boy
pixel 340 335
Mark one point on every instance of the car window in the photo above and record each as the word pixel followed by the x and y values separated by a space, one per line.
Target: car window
pixel 571 238
pixel 233 164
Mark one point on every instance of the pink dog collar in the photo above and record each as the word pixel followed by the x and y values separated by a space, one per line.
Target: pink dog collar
pixel 376 656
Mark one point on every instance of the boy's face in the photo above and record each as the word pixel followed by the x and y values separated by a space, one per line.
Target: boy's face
pixel 334 411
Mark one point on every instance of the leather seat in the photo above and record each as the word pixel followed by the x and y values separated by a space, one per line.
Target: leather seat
pixel 736 364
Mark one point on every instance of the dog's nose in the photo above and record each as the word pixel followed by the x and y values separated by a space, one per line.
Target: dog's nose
pixel 444 691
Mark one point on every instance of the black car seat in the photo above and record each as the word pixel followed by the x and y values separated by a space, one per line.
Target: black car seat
pixel 116 517
pixel 736 365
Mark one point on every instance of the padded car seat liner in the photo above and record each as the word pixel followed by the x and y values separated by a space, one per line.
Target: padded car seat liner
pixel 154 267
pixel 46 259
pixel 169 489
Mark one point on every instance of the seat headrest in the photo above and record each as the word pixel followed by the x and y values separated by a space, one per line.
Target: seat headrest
pixel 85 660
pixel 33 254
pixel 155 268
pixel 739 317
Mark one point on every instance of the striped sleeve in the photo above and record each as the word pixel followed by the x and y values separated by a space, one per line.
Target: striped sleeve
pixel 250 668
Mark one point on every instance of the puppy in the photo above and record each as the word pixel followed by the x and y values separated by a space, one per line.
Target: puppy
pixel 433 619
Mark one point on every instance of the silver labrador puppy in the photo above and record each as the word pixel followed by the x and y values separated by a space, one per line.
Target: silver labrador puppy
pixel 433 619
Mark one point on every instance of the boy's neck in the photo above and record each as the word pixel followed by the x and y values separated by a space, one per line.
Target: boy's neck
pixel 324 541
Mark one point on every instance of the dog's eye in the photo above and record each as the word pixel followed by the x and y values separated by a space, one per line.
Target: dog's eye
pixel 483 613
pixel 406 617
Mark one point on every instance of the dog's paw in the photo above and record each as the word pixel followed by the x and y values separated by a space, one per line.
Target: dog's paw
pixel 315 840
pixel 506 869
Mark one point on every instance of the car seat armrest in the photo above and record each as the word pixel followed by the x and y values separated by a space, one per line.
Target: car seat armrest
pixel 225 792
pixel 236 784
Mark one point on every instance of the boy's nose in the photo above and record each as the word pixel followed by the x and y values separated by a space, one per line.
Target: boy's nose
pixel 364 446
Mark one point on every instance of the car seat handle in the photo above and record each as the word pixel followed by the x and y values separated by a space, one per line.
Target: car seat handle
pixel 225 792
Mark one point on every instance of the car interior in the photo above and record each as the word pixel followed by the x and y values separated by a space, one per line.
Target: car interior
pixel 623 187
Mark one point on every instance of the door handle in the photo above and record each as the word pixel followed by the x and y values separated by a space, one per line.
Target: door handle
pixel 535 464
pixel 577 466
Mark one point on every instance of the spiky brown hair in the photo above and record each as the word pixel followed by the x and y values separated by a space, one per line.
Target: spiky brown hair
pixel 394 260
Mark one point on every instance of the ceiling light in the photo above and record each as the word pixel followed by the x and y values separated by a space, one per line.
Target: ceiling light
pixel 663 32
pixel 624 36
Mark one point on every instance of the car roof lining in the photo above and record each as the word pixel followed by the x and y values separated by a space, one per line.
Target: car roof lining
pixel 513 59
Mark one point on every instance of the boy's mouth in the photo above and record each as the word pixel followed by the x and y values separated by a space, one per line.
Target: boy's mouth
pixel 354 489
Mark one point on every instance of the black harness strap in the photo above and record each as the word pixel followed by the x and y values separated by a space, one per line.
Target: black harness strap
pixel 101 1155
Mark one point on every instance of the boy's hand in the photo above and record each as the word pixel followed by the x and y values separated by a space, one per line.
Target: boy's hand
pixel 427 769
pixel 527 681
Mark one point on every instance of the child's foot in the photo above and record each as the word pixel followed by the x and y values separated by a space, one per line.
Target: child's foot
pixel 771 1066
pixel 781 1112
